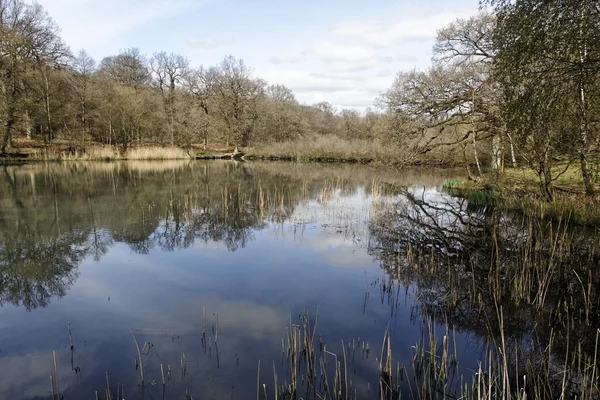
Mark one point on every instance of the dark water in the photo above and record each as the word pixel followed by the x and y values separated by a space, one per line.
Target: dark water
pixel 165 250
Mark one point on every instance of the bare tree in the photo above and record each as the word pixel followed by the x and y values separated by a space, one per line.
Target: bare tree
pixel 236 97
pixel 168 71
pixel 195 83
pixel 83 67
pixel 29 37
pixel 129 68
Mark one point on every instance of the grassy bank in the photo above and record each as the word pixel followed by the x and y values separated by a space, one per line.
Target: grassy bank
pixel 517 189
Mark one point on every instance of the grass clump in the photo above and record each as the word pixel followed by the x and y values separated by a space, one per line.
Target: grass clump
pixel 452 184
pixel 476 195
pixel 482 197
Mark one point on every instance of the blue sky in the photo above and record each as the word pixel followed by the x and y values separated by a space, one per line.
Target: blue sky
pixel 345 52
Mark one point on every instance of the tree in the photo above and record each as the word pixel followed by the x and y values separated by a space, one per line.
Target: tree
pixel 236 96
pixel 168 71
pixel 548 55
pixel 279 116
pixel 351 122
pixel 196 85
pixel 128 68
pixel 83 67
pixel 433 109
pixel 468 45
pixel 455 103
pixel 29 38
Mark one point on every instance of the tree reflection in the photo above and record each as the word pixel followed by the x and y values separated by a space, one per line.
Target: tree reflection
pixel 497 275
pixel 35 269
pixel 52 216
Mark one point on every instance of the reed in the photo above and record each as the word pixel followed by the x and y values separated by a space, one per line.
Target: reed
pixel 139 357
pixel 56 375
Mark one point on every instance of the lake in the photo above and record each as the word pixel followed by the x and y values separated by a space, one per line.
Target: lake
pixel 222 279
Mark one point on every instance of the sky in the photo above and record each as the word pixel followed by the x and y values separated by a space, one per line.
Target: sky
pixel 345 52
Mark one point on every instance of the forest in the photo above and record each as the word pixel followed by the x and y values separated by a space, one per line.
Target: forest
pixel 516 85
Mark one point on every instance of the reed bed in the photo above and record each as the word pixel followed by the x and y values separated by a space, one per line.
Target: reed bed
pixel 111 153
pixel 157 153
pixel 326 148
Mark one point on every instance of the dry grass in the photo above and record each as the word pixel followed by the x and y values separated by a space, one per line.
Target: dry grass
pixel 334 148
pixel 325 148
pixel 156 153
pixel 577 209
pixel 94 153
pixel 108 153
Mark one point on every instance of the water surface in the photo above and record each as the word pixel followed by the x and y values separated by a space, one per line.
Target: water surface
pixel 161 251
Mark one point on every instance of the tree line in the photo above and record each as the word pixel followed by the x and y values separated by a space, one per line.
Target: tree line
pixel 515 84
pixel 47 92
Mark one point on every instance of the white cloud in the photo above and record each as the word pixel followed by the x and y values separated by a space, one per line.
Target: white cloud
pixel 383 73
pixel 87 22
pixel 302 81
pixel 291 59
pixel 378 34
pixel 211 43
pixel 341 88
pixel 358 59
pixel 331 52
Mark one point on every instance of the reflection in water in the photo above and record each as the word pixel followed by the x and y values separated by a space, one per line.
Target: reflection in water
pixel 525 288
pixel 184 254
pixel 33 269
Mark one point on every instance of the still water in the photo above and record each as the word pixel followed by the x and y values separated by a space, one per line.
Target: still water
pixel 219 270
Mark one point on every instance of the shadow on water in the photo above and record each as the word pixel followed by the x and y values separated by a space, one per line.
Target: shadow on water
pixel 320 272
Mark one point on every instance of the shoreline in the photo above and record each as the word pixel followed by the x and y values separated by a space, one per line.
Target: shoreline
pixel 514 190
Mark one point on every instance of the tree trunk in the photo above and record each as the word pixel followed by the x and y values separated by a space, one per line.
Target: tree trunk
pixel 583 126
pixel 496 153
pixel 512 155
pixel 467 167
pixel 172 108
pixel 475 155
pixel 27 125
pixel 47 102
pixel 10 120
pixel 474 134
pixel 110 133
pixel 545 174
pixel 583 138
pixel 11 105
